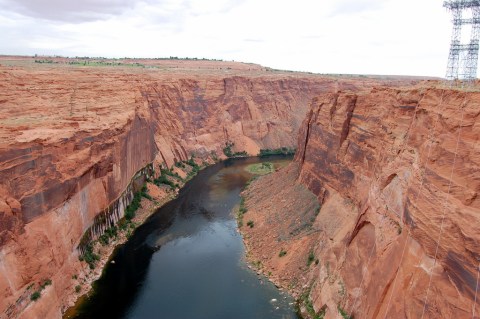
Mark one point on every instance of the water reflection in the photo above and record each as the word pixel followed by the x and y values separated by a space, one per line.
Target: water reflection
pixel 186 261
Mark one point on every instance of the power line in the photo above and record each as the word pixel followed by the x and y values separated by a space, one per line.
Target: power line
pixel 476 291
pixel 407 136
pixel 444 208
pixel 416 196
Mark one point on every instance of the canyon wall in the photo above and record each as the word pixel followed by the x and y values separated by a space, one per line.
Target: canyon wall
pixel 396 232
pixel 72 139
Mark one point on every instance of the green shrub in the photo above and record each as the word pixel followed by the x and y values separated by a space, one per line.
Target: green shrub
pixel 180 165
pixel 134 205
pixel 343 313
pixel 242 209
pixel 89 256
pixel 311 258
pixel 192 163
pixel 195 168
pixel 144 192
pixel 250 224
pixel 214 156
pixel 163 179
pixel 277 151
pixel 251 180
pixel 305 300
pixel 240 154
pixel 227 150
pixel 103 240
pixel 78 288
pixel 125 224
pixel 35 296
pixel 261 168
pixel 46 283
pixel 282 253
pixel 109 233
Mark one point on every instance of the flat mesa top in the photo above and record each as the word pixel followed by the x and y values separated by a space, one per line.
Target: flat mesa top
pixel 461 4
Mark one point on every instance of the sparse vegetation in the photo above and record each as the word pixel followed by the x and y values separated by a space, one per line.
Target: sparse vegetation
pixel 78 288
pixel 257 264
pixel 343 313
pixel 46 283
pixel 192 162
pixel 163 179
pixel 180 164
pixel 35 296
pixel 227 150
pixel 195 167
pixel 305 300
pixel 251 180
pixel 282 253
pixel 277 151
pixel 89 256
pixel 129 211
pixel 168 176
pixel 311 258
pixel 125 225
pixel 241 211
pixel 214 156
pixel 109 234
pixel 399 228
pixel 261 168
pixel 341 290
pixel 144 192
pixel 250 224
pixel 46 61
pixel 134 205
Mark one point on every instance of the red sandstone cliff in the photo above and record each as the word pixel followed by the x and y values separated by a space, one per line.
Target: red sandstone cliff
pixel 72 138
pixel 397 176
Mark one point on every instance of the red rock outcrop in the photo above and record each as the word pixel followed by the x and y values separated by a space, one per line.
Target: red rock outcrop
pixel 396 172
pixel 72 138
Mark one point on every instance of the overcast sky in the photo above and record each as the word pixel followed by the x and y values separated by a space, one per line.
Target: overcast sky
pixel 406 37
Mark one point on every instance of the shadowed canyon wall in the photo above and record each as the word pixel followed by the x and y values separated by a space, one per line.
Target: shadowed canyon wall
pixel 72 139
pixel 394 232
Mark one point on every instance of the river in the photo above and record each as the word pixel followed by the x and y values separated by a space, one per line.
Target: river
pixel 187 261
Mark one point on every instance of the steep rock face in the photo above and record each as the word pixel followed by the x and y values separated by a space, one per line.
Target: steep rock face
pixel 396 173
pixel 73 138
pixel 59 190
pixel 201 114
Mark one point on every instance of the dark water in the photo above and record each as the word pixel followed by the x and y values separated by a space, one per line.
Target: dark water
pixel 186 261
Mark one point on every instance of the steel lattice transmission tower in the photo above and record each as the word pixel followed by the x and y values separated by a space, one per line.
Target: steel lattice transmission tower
pixel 463 58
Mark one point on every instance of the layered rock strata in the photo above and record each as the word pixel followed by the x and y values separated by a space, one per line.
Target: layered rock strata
pixel 72 139
pixel 396 174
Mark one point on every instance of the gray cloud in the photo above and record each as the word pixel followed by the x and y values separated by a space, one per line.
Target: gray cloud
pixel 73 11
pixel 78 11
